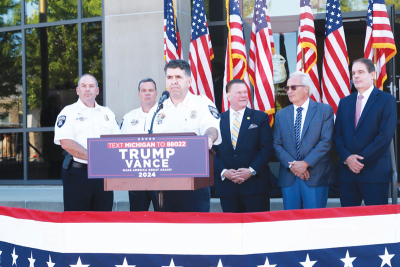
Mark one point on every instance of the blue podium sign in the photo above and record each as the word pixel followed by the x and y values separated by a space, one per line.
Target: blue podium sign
pixel 154 156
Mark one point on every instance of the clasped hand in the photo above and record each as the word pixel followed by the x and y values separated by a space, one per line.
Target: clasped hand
pixel 353 163
pixel 237 176
pixel 299 168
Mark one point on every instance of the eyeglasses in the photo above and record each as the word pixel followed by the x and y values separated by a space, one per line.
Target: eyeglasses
pixel 293 87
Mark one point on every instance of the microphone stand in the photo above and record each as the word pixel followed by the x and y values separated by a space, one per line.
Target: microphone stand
pixel 160 193
pixel 160 107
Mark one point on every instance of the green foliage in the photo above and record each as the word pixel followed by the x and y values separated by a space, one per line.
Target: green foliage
pixel 57 10
pixel 10 13
pixel 91 8
pixel 248 8
pixel 11 68
pixel 51 53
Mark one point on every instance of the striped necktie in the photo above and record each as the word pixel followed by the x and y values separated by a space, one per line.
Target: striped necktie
pixel 235 130
pixel 297 129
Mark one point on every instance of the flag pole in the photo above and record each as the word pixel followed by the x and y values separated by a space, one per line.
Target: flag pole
pixel 302 60
pixel 375 60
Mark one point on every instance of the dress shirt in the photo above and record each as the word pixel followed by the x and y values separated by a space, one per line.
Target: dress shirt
pixel 232 117
pixel 366 95
pixel 231 120
pixel 303 113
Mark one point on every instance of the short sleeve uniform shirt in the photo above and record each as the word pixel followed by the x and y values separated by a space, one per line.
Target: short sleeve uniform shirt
pixel 77 122
pixel 137 121
pixel 194 114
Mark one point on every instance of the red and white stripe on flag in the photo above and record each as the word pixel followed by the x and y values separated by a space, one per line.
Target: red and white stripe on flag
pixel 307 48
pixel 236 57
pixel 379 37
pixel 201 53
pixel 335 68
pixel 172 39
pixel 260 63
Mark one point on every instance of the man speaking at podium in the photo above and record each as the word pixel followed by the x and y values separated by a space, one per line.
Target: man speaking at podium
pixel 184 112
pixel 138 121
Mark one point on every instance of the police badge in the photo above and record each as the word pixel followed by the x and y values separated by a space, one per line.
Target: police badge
pixel 61 121
pixel 106 118
pixel 214 111
pixel 193 114
pixel 134 122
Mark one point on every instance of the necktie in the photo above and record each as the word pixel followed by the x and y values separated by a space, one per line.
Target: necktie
pixel 297 129
pixel 358 110
pixel 235 130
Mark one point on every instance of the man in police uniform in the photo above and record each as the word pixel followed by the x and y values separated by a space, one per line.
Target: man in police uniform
pixel 138 121
pixel 185 112
pixel 75 124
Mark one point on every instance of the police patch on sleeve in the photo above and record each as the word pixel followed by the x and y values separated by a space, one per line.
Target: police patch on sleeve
pixel 214 111
pixel 61 121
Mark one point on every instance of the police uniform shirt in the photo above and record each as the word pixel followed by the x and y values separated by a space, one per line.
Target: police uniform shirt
pixel 137 121
pixel 194 114
pixel 77 122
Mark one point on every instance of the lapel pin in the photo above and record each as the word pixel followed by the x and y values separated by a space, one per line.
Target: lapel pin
pixel 248 118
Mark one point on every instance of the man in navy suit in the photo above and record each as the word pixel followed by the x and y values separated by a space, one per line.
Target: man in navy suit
pixel 365 125
pixel 241 171
pixel 302 140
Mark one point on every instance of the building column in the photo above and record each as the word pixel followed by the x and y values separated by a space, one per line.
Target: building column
pixel 134 48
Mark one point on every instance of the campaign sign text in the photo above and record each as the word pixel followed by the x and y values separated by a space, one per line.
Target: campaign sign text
pixel 141 157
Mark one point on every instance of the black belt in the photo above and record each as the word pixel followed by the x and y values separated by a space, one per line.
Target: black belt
pixel 79 165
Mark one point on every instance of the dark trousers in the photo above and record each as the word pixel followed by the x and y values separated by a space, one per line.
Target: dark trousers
pixel 83 194
pixel 352 194
pixel 241 203
pixel 140 200
pixel 187 201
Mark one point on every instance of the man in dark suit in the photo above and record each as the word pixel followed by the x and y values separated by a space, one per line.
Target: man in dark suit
pixel 241 171
pixel 302 139
pixel 365 125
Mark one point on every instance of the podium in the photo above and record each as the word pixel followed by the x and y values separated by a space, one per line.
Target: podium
pixel 160 184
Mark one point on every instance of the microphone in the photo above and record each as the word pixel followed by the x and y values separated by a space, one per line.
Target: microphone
pixel 164 96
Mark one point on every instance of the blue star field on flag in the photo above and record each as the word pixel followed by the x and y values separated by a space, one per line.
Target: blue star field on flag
pixel 260 7
pixel 199 24
pixel 333 16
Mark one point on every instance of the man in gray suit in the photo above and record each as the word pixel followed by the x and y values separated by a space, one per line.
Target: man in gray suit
pixel 302 139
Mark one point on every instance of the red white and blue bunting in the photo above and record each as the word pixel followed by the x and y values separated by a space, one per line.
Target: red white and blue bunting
pixel 360 236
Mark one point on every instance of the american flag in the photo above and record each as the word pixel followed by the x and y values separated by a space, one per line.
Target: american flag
pixel 172 39
pixel 308 238
pixel 260 64
pixel 379 36
pixel 335 68
pixel 236 57
pixel 307 48
pixel 201 53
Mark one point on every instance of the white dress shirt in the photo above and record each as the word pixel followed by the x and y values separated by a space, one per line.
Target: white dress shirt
pixel 366 95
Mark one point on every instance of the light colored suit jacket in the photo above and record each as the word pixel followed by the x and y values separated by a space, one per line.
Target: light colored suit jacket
pixel 316 141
